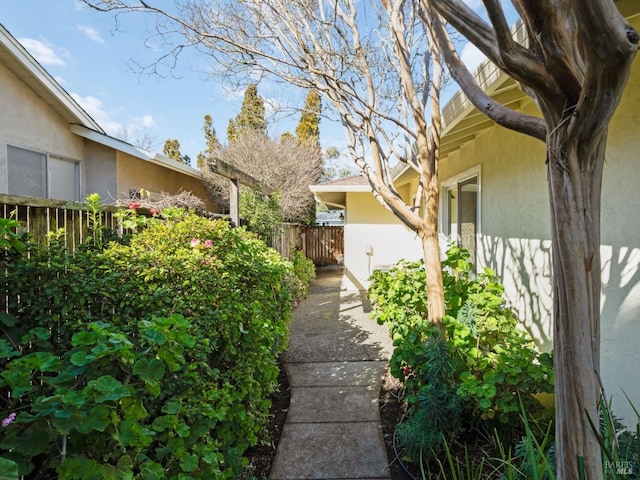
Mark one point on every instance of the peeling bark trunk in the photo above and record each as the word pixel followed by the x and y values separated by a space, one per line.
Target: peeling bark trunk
pixel 431 254
pixel 433 267
pixel 575 193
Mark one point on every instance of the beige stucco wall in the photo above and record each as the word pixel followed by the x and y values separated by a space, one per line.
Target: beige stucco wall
pixel 515 233
pixel 373 238
pixel 28 122
pixel 100 171
pixel 135 173
pixel 514 238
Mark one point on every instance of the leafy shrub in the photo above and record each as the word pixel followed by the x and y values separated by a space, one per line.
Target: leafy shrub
pixel 262 214
pixel 304 270
pixel 492 360
pixel 152 359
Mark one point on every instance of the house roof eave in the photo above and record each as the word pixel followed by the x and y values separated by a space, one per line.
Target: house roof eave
pixel 134 151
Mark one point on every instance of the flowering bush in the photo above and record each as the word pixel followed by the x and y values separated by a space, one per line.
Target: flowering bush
pixel 151 359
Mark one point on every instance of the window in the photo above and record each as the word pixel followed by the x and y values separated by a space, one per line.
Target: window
pixel 461 215
pixel 36 174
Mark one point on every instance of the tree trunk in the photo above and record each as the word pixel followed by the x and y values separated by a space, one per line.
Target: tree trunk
pixel 575 193
pixel 431 255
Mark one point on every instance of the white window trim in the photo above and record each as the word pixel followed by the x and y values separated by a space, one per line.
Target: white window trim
pixel 454 181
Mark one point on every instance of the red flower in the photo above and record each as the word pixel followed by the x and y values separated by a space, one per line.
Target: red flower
pixel 154 211
pixel 134 205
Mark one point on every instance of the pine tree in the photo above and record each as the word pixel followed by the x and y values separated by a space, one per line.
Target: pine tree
pixel 212 142
pixel 251 116
pixel 308 130
pixel 172 150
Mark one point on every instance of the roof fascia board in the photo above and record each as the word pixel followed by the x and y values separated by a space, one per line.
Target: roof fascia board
pixel 339 188
pixel 136 152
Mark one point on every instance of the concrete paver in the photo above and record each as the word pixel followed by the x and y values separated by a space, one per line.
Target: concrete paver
pixel 332 450
pixel 335 363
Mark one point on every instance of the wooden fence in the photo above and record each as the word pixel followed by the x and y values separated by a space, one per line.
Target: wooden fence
pixel 38 217
pixel 324 245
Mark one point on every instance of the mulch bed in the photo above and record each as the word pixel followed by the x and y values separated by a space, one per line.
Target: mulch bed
pixel 261 456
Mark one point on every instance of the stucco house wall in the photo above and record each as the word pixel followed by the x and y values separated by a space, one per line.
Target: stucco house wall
pixel 99 172
pixel 136 173
pixel 373 239
pixel 28 122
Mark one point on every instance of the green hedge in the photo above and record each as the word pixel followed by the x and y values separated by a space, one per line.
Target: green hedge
pixel 150 359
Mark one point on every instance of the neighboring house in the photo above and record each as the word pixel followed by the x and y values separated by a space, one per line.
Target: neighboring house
pixel 494 201
pixel 51 148
pixel 331 218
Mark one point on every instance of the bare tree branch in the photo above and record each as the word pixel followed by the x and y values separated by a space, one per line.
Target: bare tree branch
pixel 502 115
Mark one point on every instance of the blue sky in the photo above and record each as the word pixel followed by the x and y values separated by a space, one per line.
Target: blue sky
pixel 88 53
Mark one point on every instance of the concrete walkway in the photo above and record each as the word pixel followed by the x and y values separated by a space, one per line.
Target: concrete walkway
pixel 335 363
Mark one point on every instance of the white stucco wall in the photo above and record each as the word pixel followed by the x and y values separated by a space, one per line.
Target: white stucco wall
pixel 373 238
pixel 27 122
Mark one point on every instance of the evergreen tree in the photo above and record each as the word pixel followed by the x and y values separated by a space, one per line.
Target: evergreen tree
pixel 308 130
pixel 251 116
pixel 172 150
pixel 212 141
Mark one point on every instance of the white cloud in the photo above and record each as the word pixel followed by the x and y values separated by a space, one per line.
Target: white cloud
pixel 91 32
pixel 146 121
pixel 41 52
pixel 94 107
pixel 471 56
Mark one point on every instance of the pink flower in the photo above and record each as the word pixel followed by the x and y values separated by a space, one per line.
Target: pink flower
pixel 195 242
pixel 208 243
pixel 134 205
pixel 154 211
pixel 9 420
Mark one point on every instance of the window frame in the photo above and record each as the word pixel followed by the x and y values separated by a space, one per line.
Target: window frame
pixel 48 157
pixel 445 214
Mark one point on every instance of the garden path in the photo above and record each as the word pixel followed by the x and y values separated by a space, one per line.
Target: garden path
pixel 335 363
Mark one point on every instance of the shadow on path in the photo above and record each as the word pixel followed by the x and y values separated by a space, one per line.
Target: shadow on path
pixel 335 363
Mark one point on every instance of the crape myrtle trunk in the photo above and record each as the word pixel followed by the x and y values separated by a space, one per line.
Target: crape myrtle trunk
pixel 574 180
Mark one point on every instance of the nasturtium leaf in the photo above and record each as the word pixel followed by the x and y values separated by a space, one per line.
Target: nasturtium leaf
pixel 183 430
pixel 8 320
pixel 134 408
pixel 7 350
pixel 171 408
pixel 152 471
pixel 83 338
pixel 108 388
pixel 189 462
pixel 99 419
pixel 163 422
pixel 19 381
pixel 30 444
pixel 8 469
pixel 149 370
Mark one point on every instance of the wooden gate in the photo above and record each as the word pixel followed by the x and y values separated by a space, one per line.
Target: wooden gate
pixel 323 245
